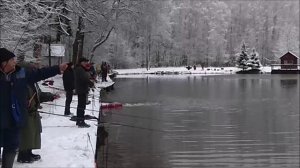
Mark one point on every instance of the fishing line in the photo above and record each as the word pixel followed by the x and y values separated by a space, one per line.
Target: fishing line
pixel 131 126
pixel 89 139
pixel 60 89
pixel 139 117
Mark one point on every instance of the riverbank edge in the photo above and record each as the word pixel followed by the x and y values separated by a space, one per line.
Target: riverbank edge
pixel 185 71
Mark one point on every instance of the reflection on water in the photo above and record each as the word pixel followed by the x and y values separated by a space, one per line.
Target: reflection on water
pixel 237 121
pixel 289 82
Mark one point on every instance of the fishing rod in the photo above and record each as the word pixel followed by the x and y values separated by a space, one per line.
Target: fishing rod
pixel 61 115
pixel 55 126
pixel 124 115
pixel 57 88
pixel 100 123
pixel 86 117
pixel 51 104
pixel 89 140
pixel 60 89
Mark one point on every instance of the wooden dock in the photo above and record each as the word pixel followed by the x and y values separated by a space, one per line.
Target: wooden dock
pixel 285 69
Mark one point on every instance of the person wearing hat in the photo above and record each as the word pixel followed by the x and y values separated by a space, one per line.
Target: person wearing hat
pixel 13 100
pixel 82 85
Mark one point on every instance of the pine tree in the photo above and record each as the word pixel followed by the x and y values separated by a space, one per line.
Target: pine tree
pixel 242 57
pixel 254 61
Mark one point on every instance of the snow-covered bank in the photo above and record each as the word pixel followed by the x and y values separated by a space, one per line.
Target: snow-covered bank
pixel 63 143
pixel 184 70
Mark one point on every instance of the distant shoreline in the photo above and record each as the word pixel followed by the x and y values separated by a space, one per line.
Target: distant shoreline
pixel 184 71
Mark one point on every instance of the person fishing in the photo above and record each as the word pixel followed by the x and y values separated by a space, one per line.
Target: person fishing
pixel 68 82
pixel 31 132
pixel 13 84
pixel 82 85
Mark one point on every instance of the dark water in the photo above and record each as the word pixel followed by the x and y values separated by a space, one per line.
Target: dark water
pixel 232 121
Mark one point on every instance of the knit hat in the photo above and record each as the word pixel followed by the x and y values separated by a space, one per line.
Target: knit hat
pixel 5 55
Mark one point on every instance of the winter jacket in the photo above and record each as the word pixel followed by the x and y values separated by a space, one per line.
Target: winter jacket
pixel 31 132
pixel 14 96
pixel 82 80
pixel 68 79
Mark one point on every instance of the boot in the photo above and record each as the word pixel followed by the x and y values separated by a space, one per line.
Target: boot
pixel 82 124
pixel 24 156
pixel 8 158
pixel 67 110
pixel 34 156
pixel 67 113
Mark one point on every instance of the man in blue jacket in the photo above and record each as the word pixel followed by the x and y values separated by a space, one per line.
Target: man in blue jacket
pixel 13 100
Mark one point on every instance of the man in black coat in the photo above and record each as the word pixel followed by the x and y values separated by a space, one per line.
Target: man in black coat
pixel 68 81
pixel 104 71
pixel 82 85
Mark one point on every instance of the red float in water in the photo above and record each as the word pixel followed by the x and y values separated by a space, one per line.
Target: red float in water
pixel 111 105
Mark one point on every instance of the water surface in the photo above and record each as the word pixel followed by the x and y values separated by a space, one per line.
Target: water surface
pixel 234 121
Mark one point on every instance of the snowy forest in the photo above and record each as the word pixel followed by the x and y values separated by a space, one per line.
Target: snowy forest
pixel 152 33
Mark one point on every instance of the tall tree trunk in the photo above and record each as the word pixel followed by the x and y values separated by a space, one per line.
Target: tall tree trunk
pixel 265 54
pixel 148 58
pixel 78 42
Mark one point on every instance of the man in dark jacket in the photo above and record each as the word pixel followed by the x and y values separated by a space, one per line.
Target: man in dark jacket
pixel 82 85
pixel 13 100
pixel 68 81
pixel 104 71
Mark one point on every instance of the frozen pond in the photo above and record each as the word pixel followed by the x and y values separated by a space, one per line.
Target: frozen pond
pixel 234 121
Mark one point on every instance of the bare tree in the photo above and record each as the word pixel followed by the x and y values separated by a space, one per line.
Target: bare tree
pixel 23 23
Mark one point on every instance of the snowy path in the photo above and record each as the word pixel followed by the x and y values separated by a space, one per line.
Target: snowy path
pixel 63 143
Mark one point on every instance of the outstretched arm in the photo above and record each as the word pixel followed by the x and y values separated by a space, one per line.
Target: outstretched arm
pixel 44 73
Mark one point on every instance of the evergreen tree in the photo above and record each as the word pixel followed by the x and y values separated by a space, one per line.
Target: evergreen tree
pixel 242 57
pixel 254 61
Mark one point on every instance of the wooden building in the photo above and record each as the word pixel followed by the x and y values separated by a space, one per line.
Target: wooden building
pixel 289 61
pixel 288 65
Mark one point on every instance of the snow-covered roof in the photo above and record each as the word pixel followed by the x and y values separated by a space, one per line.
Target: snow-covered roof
pixel 291 54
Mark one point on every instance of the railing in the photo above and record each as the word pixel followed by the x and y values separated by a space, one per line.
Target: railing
pixel 285 66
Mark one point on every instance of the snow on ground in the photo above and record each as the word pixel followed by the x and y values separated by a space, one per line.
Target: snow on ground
pixel 63 143
pixel 184 70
